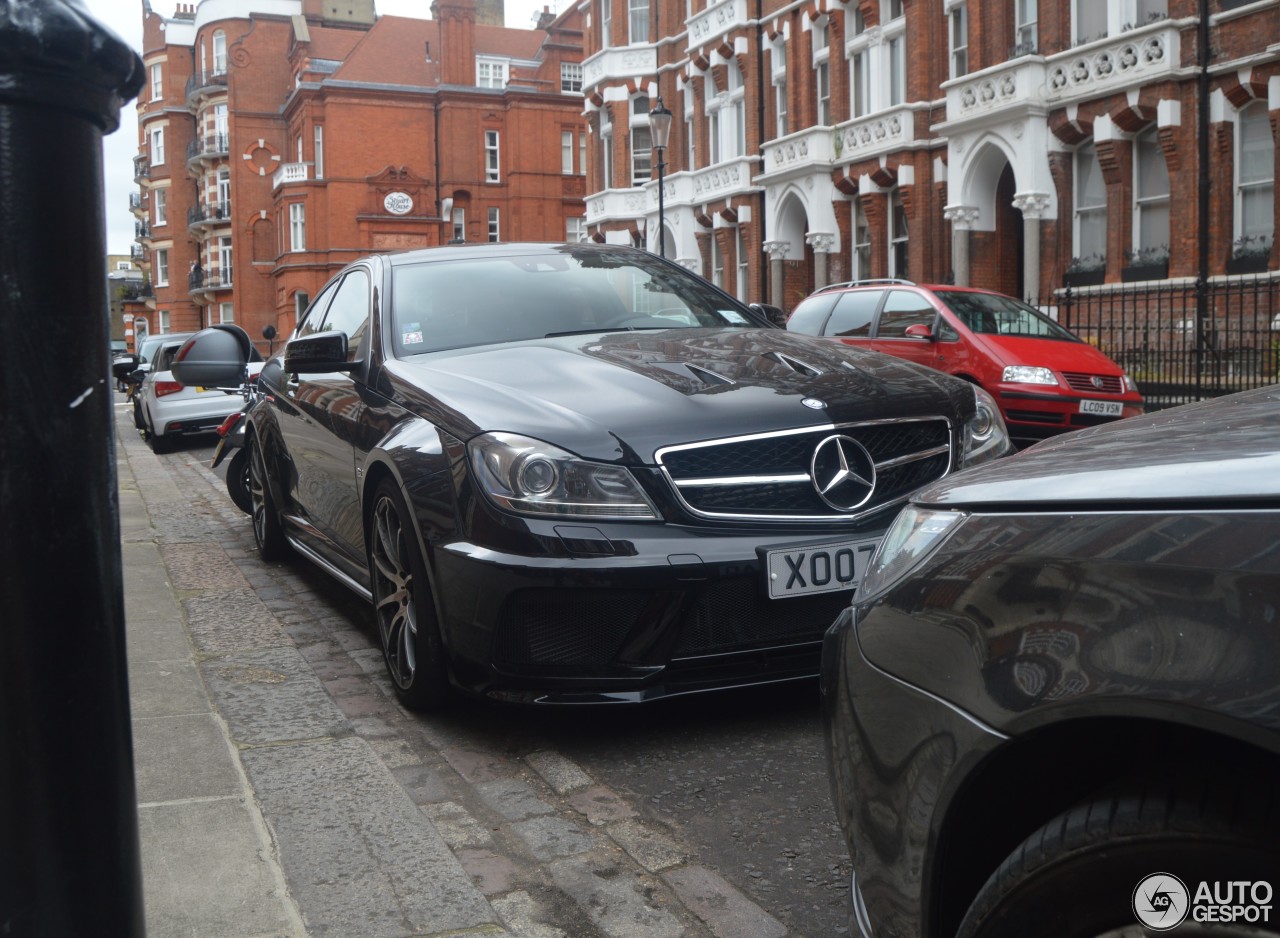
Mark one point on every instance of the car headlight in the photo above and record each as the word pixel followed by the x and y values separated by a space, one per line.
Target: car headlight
pixel 535 478
pixel 1130 386
pixel 1028 374
pixel 985 435
pixel 914 534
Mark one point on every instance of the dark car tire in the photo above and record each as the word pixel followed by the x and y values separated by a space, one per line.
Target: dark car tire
pixel 268 532
pixel 407 626
pixel 239 481
pixel 159 444
pixel 1076 876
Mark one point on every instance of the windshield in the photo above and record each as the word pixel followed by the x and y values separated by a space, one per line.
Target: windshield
pixel 990 314
pixel 578 289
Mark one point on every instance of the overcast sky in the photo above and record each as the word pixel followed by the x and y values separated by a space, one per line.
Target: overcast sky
pixel 124 17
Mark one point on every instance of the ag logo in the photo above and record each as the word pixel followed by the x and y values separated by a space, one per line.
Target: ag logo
pixel 1161 901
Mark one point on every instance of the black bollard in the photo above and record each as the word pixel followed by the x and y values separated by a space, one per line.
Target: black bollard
pixel 69 860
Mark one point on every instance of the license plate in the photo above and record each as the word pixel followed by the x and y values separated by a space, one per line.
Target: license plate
pixel 817 568
pixel 1102 408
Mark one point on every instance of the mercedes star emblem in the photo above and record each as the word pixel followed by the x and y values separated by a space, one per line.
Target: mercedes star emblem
pixel 843 473
pixel 814 404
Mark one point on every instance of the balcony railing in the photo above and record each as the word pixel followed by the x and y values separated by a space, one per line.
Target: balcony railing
pixel 216 278
pixel 207 82
pixel 141 230
pixel 616 204
pixel 135 202
pixel 137 253
pixel 290 172
pixel 142 167
pixel 215 213
pixel 623 62
pixel 716 20
pixel 134 291
pixel 874 134
pixel 1145 54
pixel 799 153
pixel 209 146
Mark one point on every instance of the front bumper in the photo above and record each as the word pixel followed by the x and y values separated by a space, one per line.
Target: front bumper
pixel 895 756
pixel 1038 415
pixel 628 612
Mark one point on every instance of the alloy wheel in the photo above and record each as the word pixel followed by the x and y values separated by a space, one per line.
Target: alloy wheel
pixel 393 591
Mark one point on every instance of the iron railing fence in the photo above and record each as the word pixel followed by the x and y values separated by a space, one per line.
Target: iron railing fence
pixel 1182 341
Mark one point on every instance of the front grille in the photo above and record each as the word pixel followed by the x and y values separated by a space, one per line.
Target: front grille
pixel 1034 416
pixel 767 476
pixel 573 628
pixel 1106 384
pixel 733 615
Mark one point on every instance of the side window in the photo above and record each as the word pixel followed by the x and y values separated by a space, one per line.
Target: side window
pixel 853 314
pixel 809 316
pixel 314 314
pixel 904 308
pixel 349 311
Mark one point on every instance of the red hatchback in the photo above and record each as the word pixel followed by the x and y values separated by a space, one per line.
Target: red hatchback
pixel 1045 379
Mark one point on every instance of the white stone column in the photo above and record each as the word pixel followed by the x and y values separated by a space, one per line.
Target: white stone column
pixel 777 251
pixel 1032 205
pixel 821 242
pixel 962 218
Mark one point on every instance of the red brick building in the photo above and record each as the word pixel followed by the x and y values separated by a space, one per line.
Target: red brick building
pixel 280 139
pixel 988 142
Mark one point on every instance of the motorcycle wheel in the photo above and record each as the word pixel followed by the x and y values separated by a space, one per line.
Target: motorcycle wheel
pixel 238 481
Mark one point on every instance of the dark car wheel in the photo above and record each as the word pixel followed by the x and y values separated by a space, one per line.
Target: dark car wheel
pixel 407 625
pixel 158 442
pixel 240 481
pixel 267 530
pixel 1079 875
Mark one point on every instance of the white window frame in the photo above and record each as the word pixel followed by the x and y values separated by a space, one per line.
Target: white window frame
pixel 160 203
pixel 1082 208
pixel 860 259
pixel 606 23
pixel 219 53
pixel 492 156
pixel 582 154
pixel 226 265
pixel 1242 186
pixel 157 146
pixel 226 312
pixel 575 229
pixel 571 78
pixel 1117 16
pixel 491 73
pixel 495 225
pixel 743 264
pixel 157 81
pixel 726 117
pixel 821 37
pixel 1145 206
pixel 319 150
pixel 566 152
pixel 898 239
pixel 606 149
pixel 297 227
pixel 778 74
pixel 640 140
pixel 717 262
pixel 958 38
pixel 1026 25
pixel 637 22
pixel 160 263
pixel 459 221
pixel 163 323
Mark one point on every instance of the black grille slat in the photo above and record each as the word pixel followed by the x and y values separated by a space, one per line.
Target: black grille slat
pixel 731 614
pixel 912 453
pixel 574 628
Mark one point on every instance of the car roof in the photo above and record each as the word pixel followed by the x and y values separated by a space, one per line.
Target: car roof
pixel 450 252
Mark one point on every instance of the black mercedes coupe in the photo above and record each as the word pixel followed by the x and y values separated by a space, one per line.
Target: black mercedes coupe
pixel 580 473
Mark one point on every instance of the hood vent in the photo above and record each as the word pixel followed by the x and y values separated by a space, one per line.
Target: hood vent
pixel 795 364
pixel 703 377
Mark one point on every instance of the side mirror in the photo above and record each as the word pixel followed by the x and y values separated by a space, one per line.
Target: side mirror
pixel 213 357
pixel 318 353
pixel 772 313
pixel 123 366
pixel 919 331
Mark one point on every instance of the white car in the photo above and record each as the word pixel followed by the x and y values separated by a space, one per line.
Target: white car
pixel 169 409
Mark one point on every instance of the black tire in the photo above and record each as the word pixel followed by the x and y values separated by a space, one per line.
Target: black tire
pixel 239 481
pixel 159 444
pixel 1077 876
pixel 407 626
pixel 268 531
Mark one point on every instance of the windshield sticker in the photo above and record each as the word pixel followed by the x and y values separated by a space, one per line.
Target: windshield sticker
pixel 412 334
pixel 733 316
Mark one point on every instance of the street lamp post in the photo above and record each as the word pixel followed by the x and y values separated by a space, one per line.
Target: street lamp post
pixel 659 134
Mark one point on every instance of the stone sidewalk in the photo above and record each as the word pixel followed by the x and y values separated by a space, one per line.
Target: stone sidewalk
pixel 282 791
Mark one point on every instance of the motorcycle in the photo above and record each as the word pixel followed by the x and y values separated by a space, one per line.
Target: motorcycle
pixel 231 442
